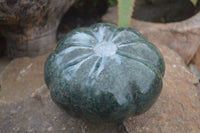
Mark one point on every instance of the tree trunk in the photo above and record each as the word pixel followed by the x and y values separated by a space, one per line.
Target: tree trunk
pixel 30 26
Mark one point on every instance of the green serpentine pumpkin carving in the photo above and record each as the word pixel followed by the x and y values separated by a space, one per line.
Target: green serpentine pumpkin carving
pixel 104 73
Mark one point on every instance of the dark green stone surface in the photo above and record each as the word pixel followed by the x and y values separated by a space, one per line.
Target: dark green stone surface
pixel 104 73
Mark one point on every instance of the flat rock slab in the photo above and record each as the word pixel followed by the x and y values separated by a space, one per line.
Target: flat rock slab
pixel 177 110
pixel 26 106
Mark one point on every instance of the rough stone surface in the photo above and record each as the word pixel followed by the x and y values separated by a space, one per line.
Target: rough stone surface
pixel 104 84
pixel 177 108
pixel 26 106
pixel 183 36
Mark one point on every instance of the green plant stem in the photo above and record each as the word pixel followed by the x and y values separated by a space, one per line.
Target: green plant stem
pixel 194 2
pixel 125 9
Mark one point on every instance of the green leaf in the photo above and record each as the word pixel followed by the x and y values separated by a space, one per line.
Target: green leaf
pixel 194 2
pixel 125 9
pixel 112 2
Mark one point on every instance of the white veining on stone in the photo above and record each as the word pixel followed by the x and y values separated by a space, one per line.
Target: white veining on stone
pixel 103 49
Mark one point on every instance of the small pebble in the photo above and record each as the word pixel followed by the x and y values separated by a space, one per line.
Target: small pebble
pixel 50 129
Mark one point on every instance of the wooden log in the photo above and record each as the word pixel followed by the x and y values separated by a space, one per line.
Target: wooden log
pixel 30 26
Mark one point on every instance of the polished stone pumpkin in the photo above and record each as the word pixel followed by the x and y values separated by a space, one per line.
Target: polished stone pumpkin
pixel 104 73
